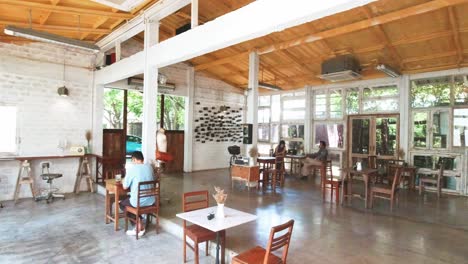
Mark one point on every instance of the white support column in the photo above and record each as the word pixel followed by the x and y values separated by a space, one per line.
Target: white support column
pixel 308 120
pixel 150 93
pixel 404 87
pixel 118 50
pixel 188 136
pixel 252 97
pixel 98 112
pixel 194 15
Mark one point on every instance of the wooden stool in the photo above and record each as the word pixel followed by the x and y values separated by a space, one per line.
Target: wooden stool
pixel 25 167
pixel 84 173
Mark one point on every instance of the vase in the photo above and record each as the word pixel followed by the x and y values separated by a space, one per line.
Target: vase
pixel 220 211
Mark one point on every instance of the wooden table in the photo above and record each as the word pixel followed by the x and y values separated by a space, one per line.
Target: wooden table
pixel 246 173
pixel 294 159
pixel 366 174
pixel 115 188
pixel 232 218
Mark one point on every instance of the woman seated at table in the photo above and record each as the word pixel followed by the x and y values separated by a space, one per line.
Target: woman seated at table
pixel 315 159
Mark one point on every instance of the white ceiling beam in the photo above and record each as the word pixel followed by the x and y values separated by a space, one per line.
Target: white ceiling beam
pixel 126 5
pixel 194 15
pixel 254 20
pixel 158 11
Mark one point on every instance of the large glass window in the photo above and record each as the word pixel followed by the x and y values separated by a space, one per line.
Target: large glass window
pixel 460 90
pixel 380 99
pixel 320 105
pixel 328 104
pixel 113 108
pixel 8 130
pixel 336 104
pixel 332 134
pixel 430 92
pixel 460 127
pixel 420 120
pixel 352 101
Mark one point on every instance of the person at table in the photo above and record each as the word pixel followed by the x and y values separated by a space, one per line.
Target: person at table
pixel 315 159
pixel 280 150
pixel 138 172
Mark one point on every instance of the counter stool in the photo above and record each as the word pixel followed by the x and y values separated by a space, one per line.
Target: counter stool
pixel 27 179
pixel 50 193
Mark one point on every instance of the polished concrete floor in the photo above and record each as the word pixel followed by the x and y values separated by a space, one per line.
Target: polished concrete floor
pixel 421 230
pixel 73 231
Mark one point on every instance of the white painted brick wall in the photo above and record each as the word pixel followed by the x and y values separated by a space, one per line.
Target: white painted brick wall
pixel 210 92
pixel 29 77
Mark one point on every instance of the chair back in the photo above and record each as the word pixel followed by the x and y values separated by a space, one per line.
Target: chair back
pixel 279 241
pixel 396 179
pixel 193 201
pixel 148 189
pixel 372 162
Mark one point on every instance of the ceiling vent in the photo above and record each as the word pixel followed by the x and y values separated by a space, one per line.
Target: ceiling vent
pixel 341 68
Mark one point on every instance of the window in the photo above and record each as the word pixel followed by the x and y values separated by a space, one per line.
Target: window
pixel 8 130
pixel 431 128
pixel 328 104
pixel 332 134
pixel 460 127
pixel 352 101
pixel 380 99
pixel 460 90
pixel 430 92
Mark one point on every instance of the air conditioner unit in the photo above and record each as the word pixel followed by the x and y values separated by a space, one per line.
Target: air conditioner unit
pixel 341 68
pixel 138 82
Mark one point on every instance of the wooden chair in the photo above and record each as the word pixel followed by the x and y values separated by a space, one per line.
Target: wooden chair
pixel 331 183
pixel 372 162
pixel 275 175
pixel 193 201
pixel 383 192
pixel 437 181
pixel 146 189
pixel 264 256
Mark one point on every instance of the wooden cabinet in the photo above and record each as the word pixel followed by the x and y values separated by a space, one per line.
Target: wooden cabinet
pixel 248 174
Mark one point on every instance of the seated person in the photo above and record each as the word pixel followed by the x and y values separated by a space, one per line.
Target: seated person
pixel 139 172
pixel 315 159
pixel 161 144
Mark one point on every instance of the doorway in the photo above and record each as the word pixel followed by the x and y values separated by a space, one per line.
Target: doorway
pixel 373 135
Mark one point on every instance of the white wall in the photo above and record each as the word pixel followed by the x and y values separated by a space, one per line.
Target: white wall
pixel 210 92
pixel 29 77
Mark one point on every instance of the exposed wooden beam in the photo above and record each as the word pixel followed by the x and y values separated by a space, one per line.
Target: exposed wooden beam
pixel 240 56
pixel 96 24
pixel 55 28
pixel 44 18
pixel 367 23
pixel 380 32
pixel 64 9
pixel 423 37
pixel 456 34
pixel 440 67
pixel 430 57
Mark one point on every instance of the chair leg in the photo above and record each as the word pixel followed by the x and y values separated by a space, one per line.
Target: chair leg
pixel 137 223
pixel 420 187
pixel 391 204
pixel 196 252
pixel 185 248
pixel 371 199
pixel 206 248
pixel 323 191
pixel 337 194
pixel 331 193
pixel 157 222
pixel 126 220
pixel 223 247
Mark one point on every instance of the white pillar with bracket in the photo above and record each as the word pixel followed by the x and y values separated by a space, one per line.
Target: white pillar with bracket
pixel 150 94
pixel 252 98
pixel 188 136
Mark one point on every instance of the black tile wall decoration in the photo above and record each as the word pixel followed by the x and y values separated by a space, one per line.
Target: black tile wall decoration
pixel 217 124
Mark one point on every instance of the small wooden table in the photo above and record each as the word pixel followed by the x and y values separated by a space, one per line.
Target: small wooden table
pixel 116 188
pixel 348 174
pixel 406 170
pixel 246 173
pixel 294 159
pixel 232 218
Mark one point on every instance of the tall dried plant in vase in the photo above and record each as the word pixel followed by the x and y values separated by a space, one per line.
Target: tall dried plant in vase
pixel 253 153
pixel 89 137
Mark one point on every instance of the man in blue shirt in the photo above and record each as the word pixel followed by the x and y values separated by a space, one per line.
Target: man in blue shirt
pixel 138 172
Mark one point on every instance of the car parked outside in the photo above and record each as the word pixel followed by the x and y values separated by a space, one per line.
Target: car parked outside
pixel 133 143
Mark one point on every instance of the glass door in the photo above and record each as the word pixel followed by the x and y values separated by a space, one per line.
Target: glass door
pixel 376 135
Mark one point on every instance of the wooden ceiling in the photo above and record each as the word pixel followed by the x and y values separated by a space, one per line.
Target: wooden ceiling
pixel 409 35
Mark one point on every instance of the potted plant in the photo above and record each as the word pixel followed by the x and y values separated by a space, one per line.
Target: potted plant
pixel 88 136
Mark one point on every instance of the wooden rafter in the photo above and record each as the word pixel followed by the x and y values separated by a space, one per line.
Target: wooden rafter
pixel 96 24
pixel 354 27
pixel 44 18
pixel 456 35
pixel 378 29
pixel 431 56
pixel 65 9
pixel 55 28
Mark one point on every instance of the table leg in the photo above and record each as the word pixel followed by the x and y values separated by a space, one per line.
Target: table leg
pixel 217 247
pixel 108 207
pixel 116 209
pixel 366 183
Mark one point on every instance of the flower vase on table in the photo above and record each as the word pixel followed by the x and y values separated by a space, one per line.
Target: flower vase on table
pixel 220 197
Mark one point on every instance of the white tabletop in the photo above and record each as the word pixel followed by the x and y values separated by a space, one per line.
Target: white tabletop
pixel 232 218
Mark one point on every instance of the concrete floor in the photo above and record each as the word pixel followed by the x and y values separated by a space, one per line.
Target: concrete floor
pixel 422 230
